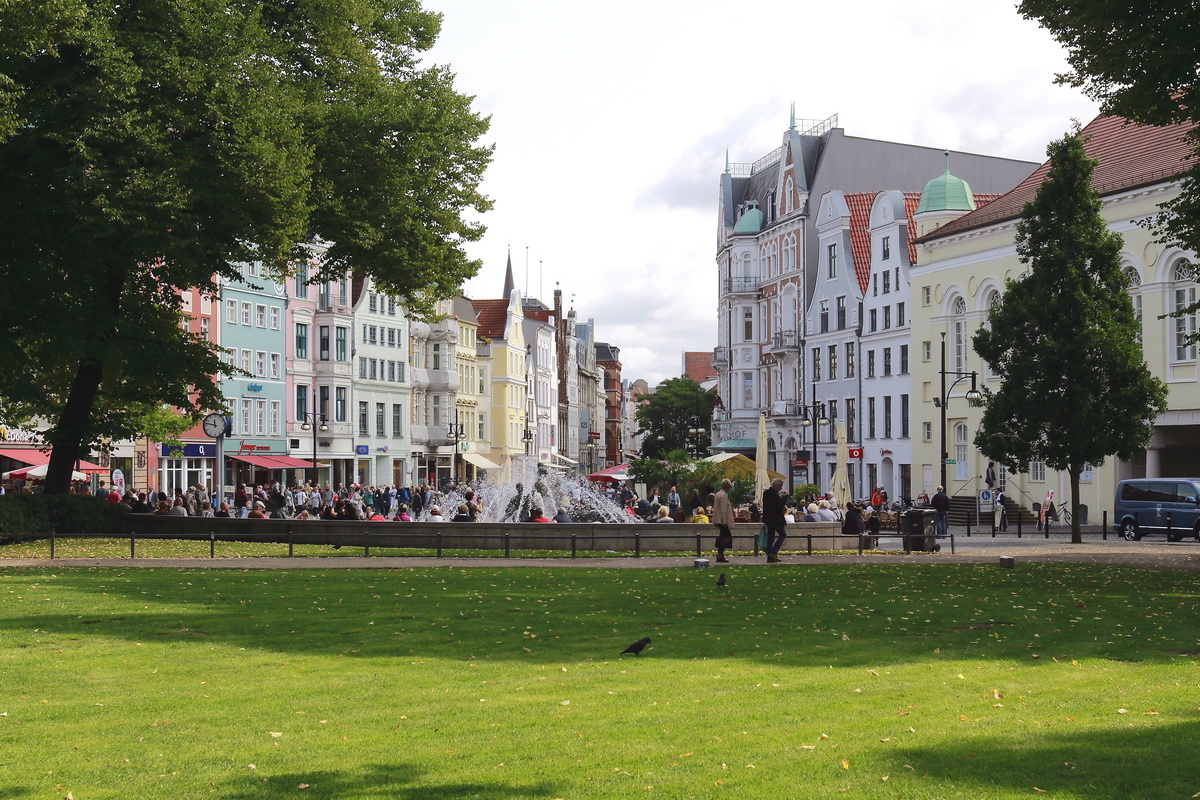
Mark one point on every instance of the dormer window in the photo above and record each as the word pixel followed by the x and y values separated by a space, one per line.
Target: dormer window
pixel 887 249
pixel 832 254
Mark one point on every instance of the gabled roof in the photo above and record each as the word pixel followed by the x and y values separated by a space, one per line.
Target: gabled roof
pixel 1130 156
pixel 859 204
pixel 464 310
pixel 493 317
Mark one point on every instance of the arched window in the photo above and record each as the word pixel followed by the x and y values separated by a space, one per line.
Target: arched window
pixel 960 451
pixel 1184 289
pixel 993 301
pixel 789 252
pixel 789 196
pixel 959 334
pixel 747 266
pixel 1135 294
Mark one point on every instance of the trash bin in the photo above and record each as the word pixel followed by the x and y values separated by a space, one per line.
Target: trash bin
pixel 918 531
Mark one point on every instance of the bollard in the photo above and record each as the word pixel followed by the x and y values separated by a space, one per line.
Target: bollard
pixel 1104 524
pixel 969 516
pixel 366 543
pixel 52 544
pixel 291 543
pixel 637 545
pixel 507 550
pixel 212 544
pixel 1007 562
pixel 131 545
pixel 574 541
pixel 698 547
pixel 439 543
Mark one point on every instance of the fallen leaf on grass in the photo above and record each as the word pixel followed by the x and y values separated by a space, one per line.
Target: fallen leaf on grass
pixel 845 764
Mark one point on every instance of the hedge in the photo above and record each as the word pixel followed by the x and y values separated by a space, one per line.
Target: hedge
pixel 34 516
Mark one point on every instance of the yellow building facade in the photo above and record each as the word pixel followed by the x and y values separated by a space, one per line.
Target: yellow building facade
pixel 963 261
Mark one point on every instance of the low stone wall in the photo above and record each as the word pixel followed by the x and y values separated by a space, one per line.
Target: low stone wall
pixel 620 537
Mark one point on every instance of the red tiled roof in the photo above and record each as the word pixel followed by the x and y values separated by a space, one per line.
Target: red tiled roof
pixel 493 317
pixel 859 204
pixel 542 314
pixel 1129 155
pixel 698 366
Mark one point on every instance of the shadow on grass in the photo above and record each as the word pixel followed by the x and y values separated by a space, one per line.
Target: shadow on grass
pixel 851 615
pixel 1116 764
pixel 14 791
pixel 377 782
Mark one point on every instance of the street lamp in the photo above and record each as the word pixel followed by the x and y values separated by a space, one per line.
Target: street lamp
pixel 813 412
pixel 314 421
pixel 972 396
pixel 695 432
pixel 527 438
pixel 456 433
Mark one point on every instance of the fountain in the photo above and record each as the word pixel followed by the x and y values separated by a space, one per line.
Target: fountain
pixel 533 485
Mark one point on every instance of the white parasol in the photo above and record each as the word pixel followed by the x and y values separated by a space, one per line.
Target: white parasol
pixel 762 480
pixel 840 484
pixel 38 473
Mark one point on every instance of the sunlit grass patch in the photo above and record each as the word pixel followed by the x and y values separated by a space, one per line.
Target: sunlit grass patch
pixel 927 681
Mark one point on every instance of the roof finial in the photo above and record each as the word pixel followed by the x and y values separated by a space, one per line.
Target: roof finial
pixel 727 160
pixel 792 121
pixel 947 152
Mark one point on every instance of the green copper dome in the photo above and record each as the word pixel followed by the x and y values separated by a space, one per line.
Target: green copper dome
pixel 750 221
pixel 947 193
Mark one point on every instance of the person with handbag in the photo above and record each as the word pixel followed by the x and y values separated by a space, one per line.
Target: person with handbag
pixel 773 521
pixel 722 517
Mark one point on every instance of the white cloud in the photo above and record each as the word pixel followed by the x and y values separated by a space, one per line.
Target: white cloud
pixel 611 125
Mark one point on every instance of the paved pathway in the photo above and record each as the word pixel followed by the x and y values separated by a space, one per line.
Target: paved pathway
pixel 977 549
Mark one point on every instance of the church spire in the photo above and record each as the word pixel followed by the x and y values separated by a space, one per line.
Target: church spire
pixel 509 283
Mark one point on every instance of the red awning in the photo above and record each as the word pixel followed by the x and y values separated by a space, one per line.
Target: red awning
pixel 273 462
pixel 36 458
pixel 263 462
pixel 287 462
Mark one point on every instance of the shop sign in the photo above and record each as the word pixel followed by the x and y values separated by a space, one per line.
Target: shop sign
pixel 188 451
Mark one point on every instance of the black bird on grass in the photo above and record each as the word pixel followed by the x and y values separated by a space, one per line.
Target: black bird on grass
pixel 637 647
pixel 721 580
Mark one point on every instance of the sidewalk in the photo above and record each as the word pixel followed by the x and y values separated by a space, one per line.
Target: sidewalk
pixel 979 548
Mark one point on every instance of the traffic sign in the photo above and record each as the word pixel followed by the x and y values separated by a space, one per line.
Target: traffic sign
pixel 950 461
pixel 594 435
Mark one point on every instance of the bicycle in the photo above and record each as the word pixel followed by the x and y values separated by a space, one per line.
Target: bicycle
pixel 1056 515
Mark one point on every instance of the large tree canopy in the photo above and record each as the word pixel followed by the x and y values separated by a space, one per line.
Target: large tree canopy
pixel 1142 62
pixel 676 406
pixel 151 146
pixel 1075 387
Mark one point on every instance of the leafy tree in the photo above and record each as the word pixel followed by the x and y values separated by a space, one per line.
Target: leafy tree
pixel 1140 62
pixel 1075 387
pixel 153 146
pixel 675 405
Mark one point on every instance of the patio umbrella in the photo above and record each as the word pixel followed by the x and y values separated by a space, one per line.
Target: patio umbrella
pixel 762 481
pixel 840 485
pixel 38 473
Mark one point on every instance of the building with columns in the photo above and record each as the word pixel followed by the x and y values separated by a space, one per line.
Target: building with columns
pixel 963 261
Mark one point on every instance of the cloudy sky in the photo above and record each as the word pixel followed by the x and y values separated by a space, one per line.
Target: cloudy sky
pixel 611 122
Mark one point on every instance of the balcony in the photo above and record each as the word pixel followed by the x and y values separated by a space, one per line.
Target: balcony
pixel 741 286
pixel 786 340
pixel 785 408
pixel 721 356
pixel 434 380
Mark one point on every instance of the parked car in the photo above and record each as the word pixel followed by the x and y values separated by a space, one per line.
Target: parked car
pixel 1158 506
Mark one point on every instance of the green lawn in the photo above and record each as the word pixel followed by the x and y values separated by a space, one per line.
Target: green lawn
pixel 805 681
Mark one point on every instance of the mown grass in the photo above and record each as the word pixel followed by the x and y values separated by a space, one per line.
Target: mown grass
pixel 870 681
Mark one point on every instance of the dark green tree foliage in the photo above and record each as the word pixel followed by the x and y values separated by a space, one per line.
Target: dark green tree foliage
pixel 1141 62
pixel 670 411
pixel 1075 387
pixel 152 146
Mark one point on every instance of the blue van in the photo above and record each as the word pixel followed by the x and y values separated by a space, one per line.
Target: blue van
pixel 1162 506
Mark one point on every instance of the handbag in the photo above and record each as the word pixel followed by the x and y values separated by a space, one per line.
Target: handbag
pixel 763 539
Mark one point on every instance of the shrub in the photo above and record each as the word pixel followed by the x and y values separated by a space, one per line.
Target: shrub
pixel 34 516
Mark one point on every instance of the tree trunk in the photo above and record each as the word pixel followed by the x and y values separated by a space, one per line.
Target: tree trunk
pixel 72 426
pixel 1076 534
pixel 75 422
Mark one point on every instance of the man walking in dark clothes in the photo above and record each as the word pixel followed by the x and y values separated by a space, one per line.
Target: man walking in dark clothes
pixel 772 512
